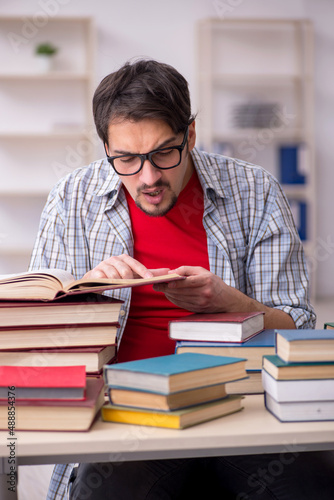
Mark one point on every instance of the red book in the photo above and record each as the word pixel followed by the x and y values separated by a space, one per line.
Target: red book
pixel 52 415
pixel 43 382
pixel 217 327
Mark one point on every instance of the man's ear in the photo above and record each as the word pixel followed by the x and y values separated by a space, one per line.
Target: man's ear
pixel 192 136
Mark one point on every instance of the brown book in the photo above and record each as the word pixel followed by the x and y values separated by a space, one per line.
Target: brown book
pixel 76 309
pixel 154 401
pixel 250 385
pixel 93 358
pixel 49 284
pixel 44 415
pixel 33 337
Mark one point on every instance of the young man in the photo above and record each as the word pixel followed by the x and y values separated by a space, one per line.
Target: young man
pixel 155 204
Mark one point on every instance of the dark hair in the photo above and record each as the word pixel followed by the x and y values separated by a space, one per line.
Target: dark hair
pixel 139 90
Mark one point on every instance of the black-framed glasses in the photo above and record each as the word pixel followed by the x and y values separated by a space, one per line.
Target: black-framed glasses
pixel 164 158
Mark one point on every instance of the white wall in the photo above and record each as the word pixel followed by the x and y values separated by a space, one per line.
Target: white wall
pixel 165 30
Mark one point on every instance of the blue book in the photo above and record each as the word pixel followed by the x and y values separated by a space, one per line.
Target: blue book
pixel 290 158
pixel 173 373
pixel 253 349
pixel 305 345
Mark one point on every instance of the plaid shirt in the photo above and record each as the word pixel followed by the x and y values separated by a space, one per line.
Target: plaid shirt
pixel 253 244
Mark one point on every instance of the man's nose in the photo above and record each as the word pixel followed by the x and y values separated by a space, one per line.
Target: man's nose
pixel 149 174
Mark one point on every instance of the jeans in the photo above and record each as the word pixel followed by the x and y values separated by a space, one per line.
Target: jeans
pixel 291 475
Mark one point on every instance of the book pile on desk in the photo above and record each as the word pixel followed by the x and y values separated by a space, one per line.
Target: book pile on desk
pixel 50 319
pixel 72 330
pixel 48 398
pixel 227 334
pixel 174 391
pixel 298 380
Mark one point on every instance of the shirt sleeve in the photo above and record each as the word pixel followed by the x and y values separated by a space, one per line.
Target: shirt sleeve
pixel 50 249
pixel 278 275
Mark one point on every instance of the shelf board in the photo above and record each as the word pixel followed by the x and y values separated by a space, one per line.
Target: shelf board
pixel 14 193
pixel 50 76
pixel 13 17
pixel 63 134
pixel 259 80
pixel 16 251
pixel 291 134
pixel 299 191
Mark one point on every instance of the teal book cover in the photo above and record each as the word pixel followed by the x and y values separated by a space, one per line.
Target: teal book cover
pixel 296 335
pixel 175 372
pixel 173 364
pixel 280 363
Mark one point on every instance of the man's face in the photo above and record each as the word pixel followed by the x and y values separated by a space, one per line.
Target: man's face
pixel 154 191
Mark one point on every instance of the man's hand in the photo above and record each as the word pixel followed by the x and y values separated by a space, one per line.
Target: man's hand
pixel 123 267
pixel 204 292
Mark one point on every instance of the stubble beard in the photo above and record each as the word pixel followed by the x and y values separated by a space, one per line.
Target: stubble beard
pixel 155 210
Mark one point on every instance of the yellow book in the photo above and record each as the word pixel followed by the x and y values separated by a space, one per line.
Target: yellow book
pixel 175 419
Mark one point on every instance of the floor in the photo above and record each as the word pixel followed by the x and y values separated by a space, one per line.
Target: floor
pixel 34 480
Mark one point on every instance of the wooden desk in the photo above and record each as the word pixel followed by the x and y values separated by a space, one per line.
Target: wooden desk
pixel 253 430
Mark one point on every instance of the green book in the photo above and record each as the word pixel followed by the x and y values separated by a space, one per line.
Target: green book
pixel 281 370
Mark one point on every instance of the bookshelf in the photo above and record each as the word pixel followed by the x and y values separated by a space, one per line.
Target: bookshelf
pixel 255 103
pixel 46 127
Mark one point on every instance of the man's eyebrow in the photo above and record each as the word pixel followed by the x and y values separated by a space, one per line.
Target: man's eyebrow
pixel 162 145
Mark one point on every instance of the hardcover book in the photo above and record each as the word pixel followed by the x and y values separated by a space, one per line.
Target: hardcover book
pixel 298 390
pixel 250 385
pixel 223 327
pixel 70 309
pixel 175 372
pixel 252 349
pixel 305 345
pixel 93 358
pixel 43 382
pixel 177 400
pixel 300 411
pixel 58 336
pixel 49 284
pixel 176 419
pixel 282 370
pixel 52 415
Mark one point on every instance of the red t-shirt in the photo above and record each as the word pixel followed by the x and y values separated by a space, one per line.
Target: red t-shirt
pixel 176 239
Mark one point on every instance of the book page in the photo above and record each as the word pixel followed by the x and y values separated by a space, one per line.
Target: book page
pixel 64 278
pixel 105 283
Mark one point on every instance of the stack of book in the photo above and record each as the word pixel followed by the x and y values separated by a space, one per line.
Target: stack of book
pixel 174 391
pixel 48 398
pixel 72 330
pixel 227 334
pixel 49 319
pixel 298 380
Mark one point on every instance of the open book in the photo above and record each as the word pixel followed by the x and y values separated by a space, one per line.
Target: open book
pixel 49 284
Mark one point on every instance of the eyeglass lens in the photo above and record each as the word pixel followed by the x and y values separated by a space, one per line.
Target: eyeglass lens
pixel 163 159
